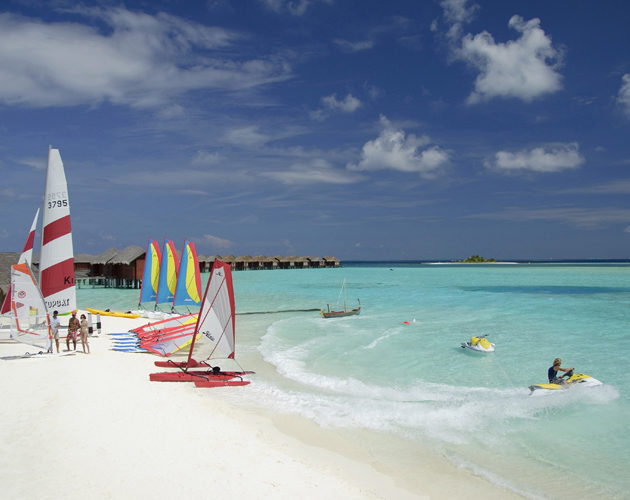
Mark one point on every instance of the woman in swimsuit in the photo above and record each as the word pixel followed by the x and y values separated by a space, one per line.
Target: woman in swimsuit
pixel 84 334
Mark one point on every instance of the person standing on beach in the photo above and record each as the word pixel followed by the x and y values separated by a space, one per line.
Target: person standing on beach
pixel 84 333
pixel 73 326
pixel 552 372
pixel 54 330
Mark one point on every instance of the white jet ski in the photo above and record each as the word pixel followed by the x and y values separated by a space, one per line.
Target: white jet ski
pixel 479 344
pixel 575 379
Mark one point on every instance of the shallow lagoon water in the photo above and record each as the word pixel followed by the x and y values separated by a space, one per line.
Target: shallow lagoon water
pixel 374 373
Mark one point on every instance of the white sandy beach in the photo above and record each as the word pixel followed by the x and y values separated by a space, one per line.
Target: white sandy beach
pixel 94 426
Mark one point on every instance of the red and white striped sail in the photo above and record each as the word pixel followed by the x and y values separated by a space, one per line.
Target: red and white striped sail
pixel 30 321
pixel 215 324
pixel 56 262
pixel 25 257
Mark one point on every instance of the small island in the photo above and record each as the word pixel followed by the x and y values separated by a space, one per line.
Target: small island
pixel 476 259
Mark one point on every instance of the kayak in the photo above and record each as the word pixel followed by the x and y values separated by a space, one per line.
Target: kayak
pixel 116 314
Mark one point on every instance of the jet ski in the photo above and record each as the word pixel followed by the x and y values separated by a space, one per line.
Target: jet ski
pixel 575 379
pixel 479 344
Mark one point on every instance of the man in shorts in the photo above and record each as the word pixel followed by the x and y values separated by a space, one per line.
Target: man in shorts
pixel 54 330
pixel 73 327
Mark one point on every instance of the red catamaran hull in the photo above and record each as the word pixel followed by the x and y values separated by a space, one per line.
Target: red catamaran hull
pixel 220 383
pixel 193 375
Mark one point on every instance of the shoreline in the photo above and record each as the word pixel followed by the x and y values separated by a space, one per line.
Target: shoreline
pixel 129 436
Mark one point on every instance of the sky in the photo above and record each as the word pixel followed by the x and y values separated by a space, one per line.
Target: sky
pixel 360 129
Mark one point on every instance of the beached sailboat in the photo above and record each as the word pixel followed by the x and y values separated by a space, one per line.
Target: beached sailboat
pixel 30 321
pixel 25 257
pixel 214 337
pixel 167 336
pixel 336 312
pixel 188 289
pixel 151 274
pixel 167 281
pixel 56 262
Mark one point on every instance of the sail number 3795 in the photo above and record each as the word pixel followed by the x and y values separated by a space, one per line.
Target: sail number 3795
pixel 57 203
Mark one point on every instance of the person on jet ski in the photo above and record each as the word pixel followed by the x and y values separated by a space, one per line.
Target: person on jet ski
pixel 552 372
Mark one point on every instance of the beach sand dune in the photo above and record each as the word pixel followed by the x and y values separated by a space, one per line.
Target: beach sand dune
pixel 93 426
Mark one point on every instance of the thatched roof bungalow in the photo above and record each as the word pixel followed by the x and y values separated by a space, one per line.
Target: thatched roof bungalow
pixel 128 264
pixel 332 261
pixel 100 261
pixel 266 262
pixel 230 260
pixel 206 262
pixel 316 262
pixel 83 265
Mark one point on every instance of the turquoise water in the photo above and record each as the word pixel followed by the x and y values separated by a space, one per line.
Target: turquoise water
pixel 372 372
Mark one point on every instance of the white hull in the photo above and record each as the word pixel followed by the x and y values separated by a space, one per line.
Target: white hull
pixel 578 379
pixel 477 348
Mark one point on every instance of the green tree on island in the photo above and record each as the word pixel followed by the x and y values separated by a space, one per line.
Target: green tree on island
pixel 477 259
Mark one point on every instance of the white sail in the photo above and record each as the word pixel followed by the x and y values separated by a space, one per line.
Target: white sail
pixel 30 321
pixel 56 263
pixel 26 256
pixel 215 324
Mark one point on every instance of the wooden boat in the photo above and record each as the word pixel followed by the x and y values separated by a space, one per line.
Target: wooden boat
pixel 340 313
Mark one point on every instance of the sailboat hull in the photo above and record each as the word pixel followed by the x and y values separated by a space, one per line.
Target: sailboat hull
pixel 193 375
pixel 340 314
pixel 220 383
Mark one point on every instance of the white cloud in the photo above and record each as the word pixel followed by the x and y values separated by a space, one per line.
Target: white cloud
pixel 349 104
pixel 617 186
pixel 140 60
pixel 456 13
pixel 331 104
pixel 246 136
pixel 395 150
pixel 553 158
pixel 313 172
pixel 204 158
pixel 294 7
pixel 577 216
pixel 38 163
pixel 624 94
pixel 215 242
pixel 354 46
pixel 525 68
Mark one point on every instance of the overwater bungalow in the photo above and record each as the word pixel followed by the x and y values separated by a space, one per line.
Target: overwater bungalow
pixel 125 268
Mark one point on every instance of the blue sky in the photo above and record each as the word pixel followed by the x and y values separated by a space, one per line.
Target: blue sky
pixel 360 129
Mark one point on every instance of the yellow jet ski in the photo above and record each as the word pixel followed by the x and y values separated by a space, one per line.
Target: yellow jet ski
pixel 479 344
pixel 574 379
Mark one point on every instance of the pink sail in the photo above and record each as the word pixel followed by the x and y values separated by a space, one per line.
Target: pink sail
pixel 25 257
pixel 56 263
pixel 167 336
